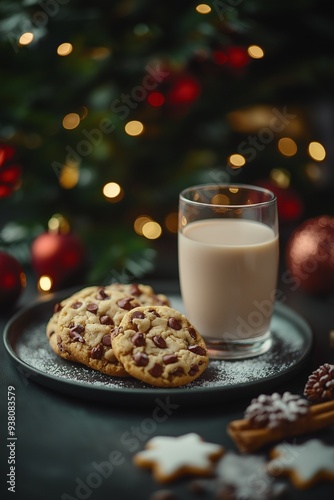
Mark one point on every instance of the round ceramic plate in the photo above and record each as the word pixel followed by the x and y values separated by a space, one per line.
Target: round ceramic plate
pixel 27 344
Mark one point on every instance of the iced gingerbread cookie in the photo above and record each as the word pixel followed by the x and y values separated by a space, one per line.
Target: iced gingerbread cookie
pixel 158 345
pixel 240 476
pixel 84 327
pixel 143 293
pixel 172 457
pixel 305 464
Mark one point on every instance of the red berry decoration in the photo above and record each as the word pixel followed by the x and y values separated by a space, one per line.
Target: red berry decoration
pixel 10 171
pixel 12 280
pixel 310 255
pixel 58 254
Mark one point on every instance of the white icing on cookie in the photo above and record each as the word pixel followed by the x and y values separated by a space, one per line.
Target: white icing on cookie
pixel 173 454
pixel 307 460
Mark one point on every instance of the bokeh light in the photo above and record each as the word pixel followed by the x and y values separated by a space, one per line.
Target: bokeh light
pixel 113 192
pixel 69 176
pixel 255 52
pixel 26 38
pixel 236 160
pixel 151 230
pixel 71 121
pixel 134 127
pixel 139 223
pixel 171 222
pixel 316 151
pixel 203 8
pixel 64 49
pixel 45 283
pixel 287 146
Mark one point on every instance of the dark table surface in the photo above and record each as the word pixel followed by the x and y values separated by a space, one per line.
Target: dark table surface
pixel 62 439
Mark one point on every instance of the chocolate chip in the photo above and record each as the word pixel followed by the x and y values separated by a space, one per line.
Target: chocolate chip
pixel 97 352
pixel 75 333
pixel 140 358
pixel 156 370
pixel 58 307
pixel 178 371
pixel 138 339
pixel 135 290
pixel 159 342
pixel 174 323
pixel 197 349
pixel 153 311
pixel 193 370
pixel 101 295
pixel 91 307
pixel 137 315
pixel 51 333
pixel 106 340
pixel 169 358
pixel 76 305
pixel 115 331
pixel 77 329
pixel 106 320
pixel 192 332
pixel 125 303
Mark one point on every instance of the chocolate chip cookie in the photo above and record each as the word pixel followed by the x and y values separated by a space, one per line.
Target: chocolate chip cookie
pixel 143 293
pixel 158 345
pixel 85 323
pixel 52 325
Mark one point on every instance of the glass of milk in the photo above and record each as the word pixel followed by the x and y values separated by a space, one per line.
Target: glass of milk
pixel 228 264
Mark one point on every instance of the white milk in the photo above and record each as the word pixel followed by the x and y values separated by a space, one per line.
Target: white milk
pixel 228 272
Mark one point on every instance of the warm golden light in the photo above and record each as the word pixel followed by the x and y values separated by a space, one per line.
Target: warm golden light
pixel 71 121
pixel 26 38
pixel 99 53
pixel 134 128
pixel 171 222
pixel 237 160
pixel 255 52
pixel 151 230
pixel 45 283
pixel 58 224
pixel 287 146
pixel 316 151
pixel 313 172
pixel 203 8
pixel 111 190
pixel 69 176
pixel 64 49
pixel 281 177
pixel 220 199
pixel 140 222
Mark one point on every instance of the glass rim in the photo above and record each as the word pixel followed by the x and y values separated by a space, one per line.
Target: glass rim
pixel 245 187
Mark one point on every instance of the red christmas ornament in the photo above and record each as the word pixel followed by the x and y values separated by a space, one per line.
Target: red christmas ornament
pixel 185 90
pixel 10 171
pixel 58 254
pixel 12 280
pixel 310 255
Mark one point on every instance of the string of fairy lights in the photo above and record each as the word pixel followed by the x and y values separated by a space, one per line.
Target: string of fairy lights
pixel 240 121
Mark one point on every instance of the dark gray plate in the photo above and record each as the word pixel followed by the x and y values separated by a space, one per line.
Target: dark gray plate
pixel 26 342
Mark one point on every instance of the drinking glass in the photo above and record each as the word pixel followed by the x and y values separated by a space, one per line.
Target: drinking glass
pixel 228 263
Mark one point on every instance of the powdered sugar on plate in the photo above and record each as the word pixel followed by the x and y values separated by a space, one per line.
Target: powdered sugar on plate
pixel 291 342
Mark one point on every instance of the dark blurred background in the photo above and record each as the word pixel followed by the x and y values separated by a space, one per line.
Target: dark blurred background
pixel 110 108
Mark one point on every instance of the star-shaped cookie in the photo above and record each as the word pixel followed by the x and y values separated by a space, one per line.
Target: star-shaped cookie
pixel 171 457
pixel 305 464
